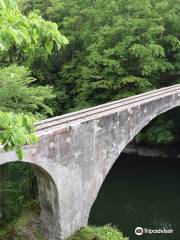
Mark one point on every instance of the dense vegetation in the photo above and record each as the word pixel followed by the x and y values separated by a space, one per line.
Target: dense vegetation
pixel 21 37
pixel 99 233
pixel 18 186
pixel 117 48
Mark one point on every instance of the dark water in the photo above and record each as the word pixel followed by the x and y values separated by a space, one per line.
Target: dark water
pixel 141 192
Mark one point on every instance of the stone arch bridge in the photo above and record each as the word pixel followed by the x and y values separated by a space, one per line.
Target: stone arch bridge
pixel 76 151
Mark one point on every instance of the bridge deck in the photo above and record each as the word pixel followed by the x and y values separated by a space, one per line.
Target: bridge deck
pixel 66 120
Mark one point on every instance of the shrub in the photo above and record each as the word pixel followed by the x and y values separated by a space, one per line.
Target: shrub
pixel 98 233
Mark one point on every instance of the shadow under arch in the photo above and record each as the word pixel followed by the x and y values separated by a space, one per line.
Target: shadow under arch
pixel 48 195
pixel 126 195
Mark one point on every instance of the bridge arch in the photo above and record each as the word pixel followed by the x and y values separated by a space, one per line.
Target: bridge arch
pixel 142 125
pixel 121 127
pixel 48 196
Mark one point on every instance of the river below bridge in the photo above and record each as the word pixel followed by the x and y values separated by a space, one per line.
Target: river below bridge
pixel 141 192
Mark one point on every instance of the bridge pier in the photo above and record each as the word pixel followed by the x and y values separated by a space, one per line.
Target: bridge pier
pixel 61 188
pixel 49 203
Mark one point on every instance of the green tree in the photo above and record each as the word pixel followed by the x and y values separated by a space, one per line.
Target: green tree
pixel 18 186
pixel 26 32
pixel 15 131
pixel 18 95
pixel 117 48
pixel 20 37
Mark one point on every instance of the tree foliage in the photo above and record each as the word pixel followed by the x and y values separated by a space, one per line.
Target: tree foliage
pixel 160 132
pixel 15 131
pixel 26 32
pixel 18 187
pixel 18 95
pixel 116 49
pixel 22 36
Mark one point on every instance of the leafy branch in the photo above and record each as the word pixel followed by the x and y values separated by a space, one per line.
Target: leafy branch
pixel 26 34
pixel 15 131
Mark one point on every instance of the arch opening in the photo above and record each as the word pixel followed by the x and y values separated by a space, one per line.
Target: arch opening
pixel 28 190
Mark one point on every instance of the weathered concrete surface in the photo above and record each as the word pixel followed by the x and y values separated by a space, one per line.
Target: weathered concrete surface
pixel 73 158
